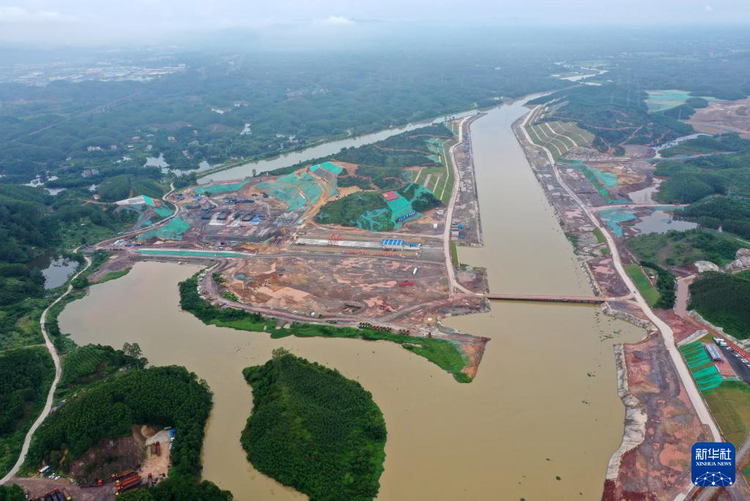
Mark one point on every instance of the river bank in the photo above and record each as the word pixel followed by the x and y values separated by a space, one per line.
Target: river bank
pixel 653 445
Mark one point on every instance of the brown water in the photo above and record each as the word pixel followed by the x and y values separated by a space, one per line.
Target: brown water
pixel 543 405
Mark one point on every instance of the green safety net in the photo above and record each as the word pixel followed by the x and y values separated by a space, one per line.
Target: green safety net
pixel 695 354
pixel 296 188
pixel 220 188
pixel 173 230
pixel 163 211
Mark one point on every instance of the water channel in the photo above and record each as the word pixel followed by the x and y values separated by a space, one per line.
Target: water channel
pixel 543 406
pixel 319 151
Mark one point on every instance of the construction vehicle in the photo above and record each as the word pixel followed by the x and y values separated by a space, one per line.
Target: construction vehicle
pixel 130 482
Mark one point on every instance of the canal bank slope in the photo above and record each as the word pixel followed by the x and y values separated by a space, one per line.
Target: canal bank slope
pixel 654 456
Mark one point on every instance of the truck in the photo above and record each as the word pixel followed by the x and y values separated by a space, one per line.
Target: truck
pixel 407 283
pixel 130 482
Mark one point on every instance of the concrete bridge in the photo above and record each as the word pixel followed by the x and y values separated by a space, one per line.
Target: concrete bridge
pixel 548 299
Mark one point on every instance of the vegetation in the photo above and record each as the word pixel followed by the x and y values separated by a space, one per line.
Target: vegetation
pixel 162 396
pixel 442 352
pixel 648 291
pixel 114 275
pixel 692 179
pixel 681 248
pixel 346 211
pixel 91 363
pixel 12 493
pixel 25 378
pixel 597 108
pixel 179 489
pixel 730 405
pixel 724 300
pixel 315 430
pixel 728 213
pixel 665 285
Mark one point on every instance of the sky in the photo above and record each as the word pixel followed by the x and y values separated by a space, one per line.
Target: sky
pixel 94 22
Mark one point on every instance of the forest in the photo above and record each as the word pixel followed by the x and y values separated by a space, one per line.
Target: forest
pixel 724 300
pixel 315 430
pixel 731 214
pixel 12 493
pixel 727 171
pixel 87 364
pixel 682 248
pixel 290 102
pixel 25 377
pixel 161 396
pixel 615 113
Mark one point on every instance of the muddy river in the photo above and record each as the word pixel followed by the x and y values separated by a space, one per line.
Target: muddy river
pixel 543 406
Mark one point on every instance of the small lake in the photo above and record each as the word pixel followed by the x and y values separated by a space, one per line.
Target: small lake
pixel 56 269
pixel 662 221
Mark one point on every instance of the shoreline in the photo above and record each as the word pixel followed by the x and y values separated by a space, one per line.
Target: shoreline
pixel 663 451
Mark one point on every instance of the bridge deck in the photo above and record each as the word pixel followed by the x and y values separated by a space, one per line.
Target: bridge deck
pixel 548 299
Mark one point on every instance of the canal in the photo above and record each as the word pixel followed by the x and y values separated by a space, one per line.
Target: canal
pixel 539 422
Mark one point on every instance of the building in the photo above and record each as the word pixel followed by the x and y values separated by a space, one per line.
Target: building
pixel 90 173
pixel 390 196
pixel 392 244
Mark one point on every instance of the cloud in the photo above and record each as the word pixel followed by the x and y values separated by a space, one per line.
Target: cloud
pixel 339 21
pixel 18 15
pixel 709 8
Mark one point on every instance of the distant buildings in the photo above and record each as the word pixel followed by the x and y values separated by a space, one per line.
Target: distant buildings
pixel 90 172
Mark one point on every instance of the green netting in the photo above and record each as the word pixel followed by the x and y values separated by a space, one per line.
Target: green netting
pixel 173 230
pixel 329 166
pixel 293 189
pixel 695 354
pixel 708 378
pixel 148 200
pixel 375 220
pixel 435 158
pixel 163 211
pixel 399 207
pixel 220 188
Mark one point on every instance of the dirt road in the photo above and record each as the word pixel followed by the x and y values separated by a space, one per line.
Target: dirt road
pixel 449 215
pixel 667 334
pixel 55 381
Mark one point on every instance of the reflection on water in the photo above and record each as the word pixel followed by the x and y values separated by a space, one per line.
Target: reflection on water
pixel 661 221
pixel 544 404
pixel 56 269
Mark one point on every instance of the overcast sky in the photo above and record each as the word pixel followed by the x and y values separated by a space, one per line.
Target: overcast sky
pixel 105 21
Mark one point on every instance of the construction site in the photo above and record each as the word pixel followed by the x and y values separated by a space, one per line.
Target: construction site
pixel 263 241
pixel 113 467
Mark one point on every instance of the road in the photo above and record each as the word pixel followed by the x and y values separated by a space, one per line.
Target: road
pixel 55 381
pixel 667 334
pixel 449 215
pixel 56 358
pixel 635 206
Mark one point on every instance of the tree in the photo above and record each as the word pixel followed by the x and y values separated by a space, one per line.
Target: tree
pixel 134 350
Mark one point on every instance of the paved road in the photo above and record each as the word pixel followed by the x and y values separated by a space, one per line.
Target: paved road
pixel 668 335
pixel 449 215
pixel 55 381
pixel 634 206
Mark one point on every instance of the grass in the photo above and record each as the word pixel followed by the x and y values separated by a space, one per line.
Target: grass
pixel 599 236
pixel 649 292
pixel 114 275
pixel 444 353
pixel 730 405
pixel 454 255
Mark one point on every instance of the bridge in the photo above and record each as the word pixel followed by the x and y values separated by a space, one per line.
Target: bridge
pixel 548 299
